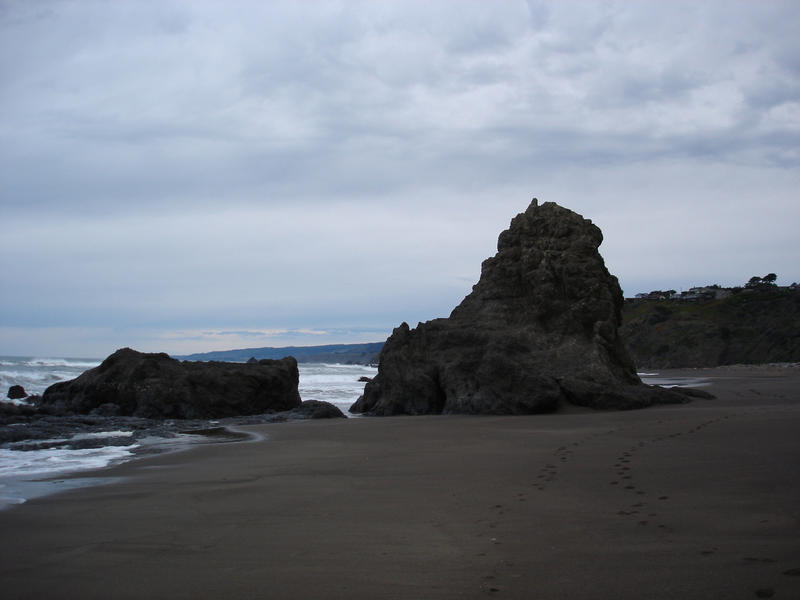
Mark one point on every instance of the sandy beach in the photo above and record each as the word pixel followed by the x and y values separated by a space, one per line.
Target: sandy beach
pixel 700 500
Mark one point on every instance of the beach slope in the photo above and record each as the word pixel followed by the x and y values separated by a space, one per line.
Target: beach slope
pixel 700 500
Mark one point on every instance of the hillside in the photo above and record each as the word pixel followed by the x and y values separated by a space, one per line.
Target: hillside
pixel 334 353
pixel 751 327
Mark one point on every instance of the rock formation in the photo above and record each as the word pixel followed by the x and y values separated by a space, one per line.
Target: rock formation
pixel 16 392
pixel 538 329
pixel 130 383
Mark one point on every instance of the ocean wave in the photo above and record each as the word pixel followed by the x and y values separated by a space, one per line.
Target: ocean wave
pixel 34 375
pixel 61 362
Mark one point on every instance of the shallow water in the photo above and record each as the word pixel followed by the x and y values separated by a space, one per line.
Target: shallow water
pixel 23 465
pixel 657 379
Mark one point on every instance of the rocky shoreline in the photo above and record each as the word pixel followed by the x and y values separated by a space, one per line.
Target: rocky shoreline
pixel 36 432
pixel 153 395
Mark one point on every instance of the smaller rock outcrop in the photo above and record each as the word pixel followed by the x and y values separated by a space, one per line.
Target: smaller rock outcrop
pixel 155 386
pixel 16 392
pixel 317 409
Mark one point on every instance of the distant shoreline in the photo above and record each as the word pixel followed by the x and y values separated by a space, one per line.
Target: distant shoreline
pixel 358 354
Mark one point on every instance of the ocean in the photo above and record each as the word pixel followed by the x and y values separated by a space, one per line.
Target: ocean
pixel 24 464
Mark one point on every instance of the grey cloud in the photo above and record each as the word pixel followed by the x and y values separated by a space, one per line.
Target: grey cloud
pixel 343 166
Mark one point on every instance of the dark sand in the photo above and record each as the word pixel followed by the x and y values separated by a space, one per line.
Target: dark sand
pixel 693 501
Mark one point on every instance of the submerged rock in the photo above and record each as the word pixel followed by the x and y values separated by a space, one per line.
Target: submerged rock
pixel 16 392
pixel 539 328
pixel 155 386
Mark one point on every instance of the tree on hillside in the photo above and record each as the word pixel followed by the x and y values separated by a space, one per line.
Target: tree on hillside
pixel 762 283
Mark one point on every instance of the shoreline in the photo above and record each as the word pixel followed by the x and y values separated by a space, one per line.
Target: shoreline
pixel 693 501
pixel 18 489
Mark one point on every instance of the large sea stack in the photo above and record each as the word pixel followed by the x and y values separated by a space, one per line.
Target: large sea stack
pixel 538 329
pixel 130 383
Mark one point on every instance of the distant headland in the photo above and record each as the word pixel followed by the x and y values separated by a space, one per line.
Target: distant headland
pixel 346 354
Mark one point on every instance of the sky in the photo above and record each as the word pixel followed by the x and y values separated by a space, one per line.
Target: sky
pixel 187 176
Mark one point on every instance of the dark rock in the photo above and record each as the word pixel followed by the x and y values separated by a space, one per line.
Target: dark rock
pixel 9 413
pixel 252 360
pixel 365 379
pixel 538 329
pixel 16 392
pixel 316 409
pixel 109 409
pixel 159 387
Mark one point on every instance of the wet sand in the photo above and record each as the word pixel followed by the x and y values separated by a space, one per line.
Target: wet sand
pixel 700 500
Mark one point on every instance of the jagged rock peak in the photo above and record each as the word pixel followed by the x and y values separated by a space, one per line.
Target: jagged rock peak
pixel 538 329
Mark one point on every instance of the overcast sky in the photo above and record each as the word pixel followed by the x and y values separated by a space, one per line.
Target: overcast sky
pixel 189 176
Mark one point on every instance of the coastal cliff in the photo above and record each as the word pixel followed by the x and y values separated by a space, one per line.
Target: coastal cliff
pixel 540 328
pixel 750 327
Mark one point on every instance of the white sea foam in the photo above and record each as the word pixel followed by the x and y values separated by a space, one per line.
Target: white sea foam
pixel 53 461
pixel 101 434
pixel 656 379
pixel 62 362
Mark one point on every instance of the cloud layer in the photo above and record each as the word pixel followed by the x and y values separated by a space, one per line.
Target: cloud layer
pixel 174 167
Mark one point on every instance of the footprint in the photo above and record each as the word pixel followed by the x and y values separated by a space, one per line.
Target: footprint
pixel 752 559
